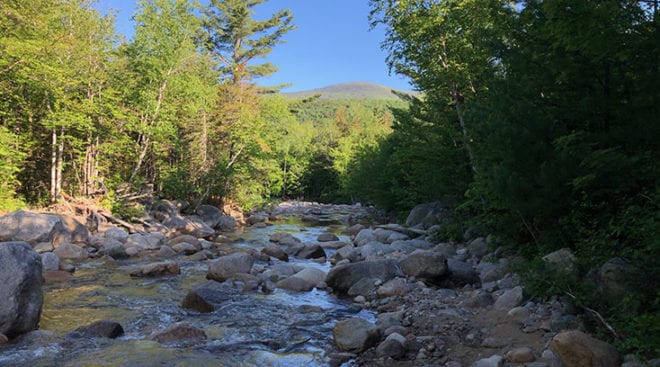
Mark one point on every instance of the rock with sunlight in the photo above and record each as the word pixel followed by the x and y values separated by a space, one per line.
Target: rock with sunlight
pixel 21 296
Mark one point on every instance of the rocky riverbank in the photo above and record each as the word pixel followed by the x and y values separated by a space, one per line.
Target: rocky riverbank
pixel 435 304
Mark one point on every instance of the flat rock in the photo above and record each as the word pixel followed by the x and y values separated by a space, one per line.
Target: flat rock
pixel 180 335
pixel 275 251
pixel 207 297
pixel 101 329
pixel 157 269
pixel 327 237
pixel 425 264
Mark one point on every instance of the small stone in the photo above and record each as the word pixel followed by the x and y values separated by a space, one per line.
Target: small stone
pixel 509 299
pixel 359 299
pixel 327 237
pixel 50 261
pixel 104 329
pixel 180 334
pixel 494 343
pixel 520 355
pixel 3 339
pixel 157 269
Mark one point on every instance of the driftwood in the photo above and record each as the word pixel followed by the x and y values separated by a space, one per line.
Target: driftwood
pixel 597 315
pixel 131 228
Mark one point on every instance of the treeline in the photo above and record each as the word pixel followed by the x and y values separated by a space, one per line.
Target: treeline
pixel 174 112
pixel 541 119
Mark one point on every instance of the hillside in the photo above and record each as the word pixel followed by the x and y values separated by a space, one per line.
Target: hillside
pixel 353 90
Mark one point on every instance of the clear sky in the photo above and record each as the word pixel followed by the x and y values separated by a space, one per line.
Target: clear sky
pixel 332 44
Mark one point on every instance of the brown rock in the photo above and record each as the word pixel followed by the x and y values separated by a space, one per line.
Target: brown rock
pixel 520 355
pixel 577 349
pixel 180 334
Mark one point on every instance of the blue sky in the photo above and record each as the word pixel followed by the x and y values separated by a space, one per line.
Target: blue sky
pixel 332 44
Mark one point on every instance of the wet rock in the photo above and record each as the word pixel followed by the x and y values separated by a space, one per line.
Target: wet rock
pixel 393 287
pixel 224 267
pixel 180 335
pixel 157 269
pixel 314 251
pixel 577 349
pixel 50 261
pixel 343 277
pixel 355 335
pixel 207 297
pixel 21 296
pixel 393 346
pixel 424 264
pixel 509 299
pixel 278 272
pixel 313 276
pixel 492 361
pixel 327 237
pixel 101 329
pixel 71 251
pixel 520 355
pixel 294 284
pixel 117 234
pixel 276 252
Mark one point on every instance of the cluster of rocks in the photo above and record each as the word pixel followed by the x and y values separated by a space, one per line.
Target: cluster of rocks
pixel 452 304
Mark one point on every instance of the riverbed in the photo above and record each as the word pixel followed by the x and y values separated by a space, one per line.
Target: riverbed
pixel 278 328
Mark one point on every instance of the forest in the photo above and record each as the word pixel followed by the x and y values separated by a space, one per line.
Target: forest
pixel 537 120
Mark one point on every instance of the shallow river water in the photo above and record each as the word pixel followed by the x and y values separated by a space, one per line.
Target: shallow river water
pixel 256 329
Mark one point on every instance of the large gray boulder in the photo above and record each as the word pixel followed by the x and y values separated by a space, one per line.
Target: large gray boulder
pixel 426 215
pixel 343 277
pixel 21 296
pixel 425 264
pixel 224 267
pixel 210 214
pixel 35 228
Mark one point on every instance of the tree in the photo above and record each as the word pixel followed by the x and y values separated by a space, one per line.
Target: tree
pixel 236 40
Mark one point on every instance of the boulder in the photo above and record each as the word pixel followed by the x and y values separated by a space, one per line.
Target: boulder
pixel 275 251
pixel 333 245
pixel 577 349
pixel 355 335
pixel 209 296
pixel 347 252
pixel 478 247
pixel 327 237
pixel 101 329
pixel 365 287
pixel 520 355
pixel 616 279
pixel 374 249
pixel 285 239
pixel 425 264
pixel 364 236
pixel 353 230
pixel 50 261
pixel 393 346
pixel 313 251
pixel 509 299
pixel 343 277
pixel 304 280
pixel 224 267
pixel 187 239
pixel 562 262
pixel 157 269
pixel 461 273
pixel 211 215
pixel 35 228
pixel 166 252
pixel 185 248
pixel 256 218
pixel 393 287
pixel 227 223
pixel 113 248
pixel 21 296
pixel 117 234
pixel 197 227
pixel 426 215
pixel 179 335
pixel 71 251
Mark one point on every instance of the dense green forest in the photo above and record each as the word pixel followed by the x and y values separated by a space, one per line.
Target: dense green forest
pixel 539 120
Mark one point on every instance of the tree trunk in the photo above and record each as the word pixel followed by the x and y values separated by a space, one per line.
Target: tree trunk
pixel 60 164
pixel 461 121
pixel 53 166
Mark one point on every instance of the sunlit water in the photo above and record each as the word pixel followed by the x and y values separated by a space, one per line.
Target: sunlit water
pixel 278 329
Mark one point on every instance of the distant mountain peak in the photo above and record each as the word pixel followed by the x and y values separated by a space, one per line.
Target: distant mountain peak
pixel 350 90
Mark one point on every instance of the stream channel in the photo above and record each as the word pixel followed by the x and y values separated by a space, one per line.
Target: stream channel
pixel 281 328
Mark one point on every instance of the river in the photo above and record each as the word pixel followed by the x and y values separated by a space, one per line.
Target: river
pixel 256 329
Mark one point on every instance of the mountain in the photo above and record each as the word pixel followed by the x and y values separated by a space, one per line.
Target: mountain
pixel 353 90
